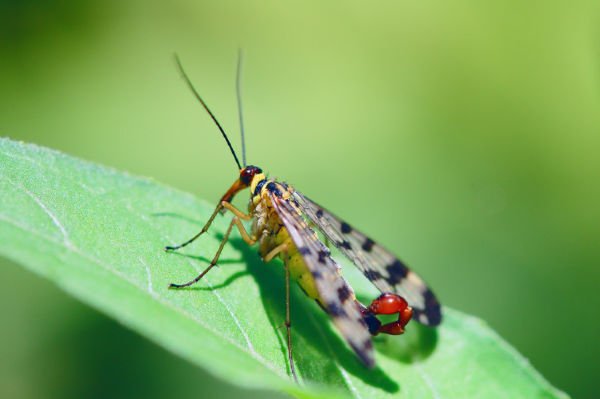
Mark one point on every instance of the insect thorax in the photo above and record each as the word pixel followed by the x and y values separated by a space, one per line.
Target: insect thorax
pixel 271 232
pixel 267 225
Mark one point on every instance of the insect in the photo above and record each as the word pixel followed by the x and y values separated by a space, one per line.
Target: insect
pixel 282 226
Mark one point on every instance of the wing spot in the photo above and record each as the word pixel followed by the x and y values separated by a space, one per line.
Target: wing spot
pixel 304 251
pixel 346 228
pixel 320 213
pixel 432 309
pixel 430 299
pixel 397 271
pixel 345 244
pixel 323 255
pixel 335 310
pixel 368 245
pixel 343 293
pixel 372 275
pixel 317 274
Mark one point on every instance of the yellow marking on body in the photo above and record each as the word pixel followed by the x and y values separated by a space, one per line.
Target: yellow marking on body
pixel 298 269
pixel 302 275
pixel 279 235
pixel 257 178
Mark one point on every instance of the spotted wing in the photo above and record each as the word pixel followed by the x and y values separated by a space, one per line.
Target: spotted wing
pixel 380 266
pixel 337 297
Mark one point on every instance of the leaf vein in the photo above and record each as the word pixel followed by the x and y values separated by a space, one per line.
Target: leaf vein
pixel 66 240
pixel 214 292
pixel 76 251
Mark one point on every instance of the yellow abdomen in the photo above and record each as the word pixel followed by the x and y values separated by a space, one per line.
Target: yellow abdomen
pixel 269 227
pixel 298 269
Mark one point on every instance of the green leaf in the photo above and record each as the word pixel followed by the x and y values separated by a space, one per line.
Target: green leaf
pixel 99 234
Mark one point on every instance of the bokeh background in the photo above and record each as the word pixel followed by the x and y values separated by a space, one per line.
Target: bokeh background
pixel 463 135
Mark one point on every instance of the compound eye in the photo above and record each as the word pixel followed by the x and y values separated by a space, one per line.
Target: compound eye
pixel 246 175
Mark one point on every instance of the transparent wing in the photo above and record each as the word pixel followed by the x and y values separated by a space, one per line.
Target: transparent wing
pixel 337 296
pixel 386 272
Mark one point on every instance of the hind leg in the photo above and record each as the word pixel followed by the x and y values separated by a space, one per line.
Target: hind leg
pixel 283 248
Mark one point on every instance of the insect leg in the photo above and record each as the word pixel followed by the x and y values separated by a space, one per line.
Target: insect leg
pixel 276 251
pixel 223 205
pixel 249 239
pixel 204 230
pixel 288 321
pixel 213 262
pixel 235 211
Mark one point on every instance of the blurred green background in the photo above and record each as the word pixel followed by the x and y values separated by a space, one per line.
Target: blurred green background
pixel 463 135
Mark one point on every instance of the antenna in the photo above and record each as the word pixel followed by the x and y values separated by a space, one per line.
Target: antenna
pixel 191 86
pixel 238 91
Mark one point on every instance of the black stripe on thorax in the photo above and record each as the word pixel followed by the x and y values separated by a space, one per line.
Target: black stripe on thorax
pixel 274 189
pixel 259 186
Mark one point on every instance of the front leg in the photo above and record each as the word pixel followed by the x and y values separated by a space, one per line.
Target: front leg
pixel 204 230
pixel 224 205
pixel 249 239
pixel 212 263
pixel 235 211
